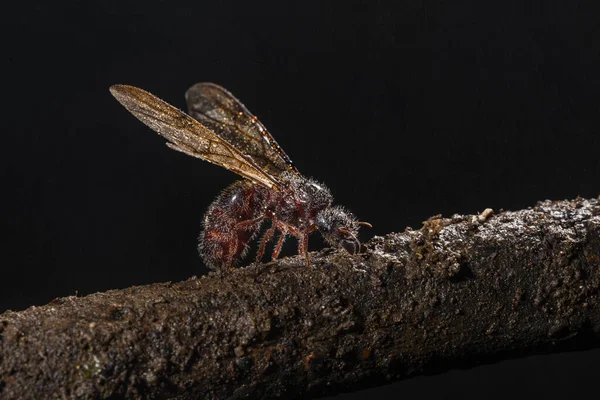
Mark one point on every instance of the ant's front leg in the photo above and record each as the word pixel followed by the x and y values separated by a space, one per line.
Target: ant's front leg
pixel 302 237
pixel 303 248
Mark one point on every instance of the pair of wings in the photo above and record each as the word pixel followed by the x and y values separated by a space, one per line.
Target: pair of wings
pixel 219 129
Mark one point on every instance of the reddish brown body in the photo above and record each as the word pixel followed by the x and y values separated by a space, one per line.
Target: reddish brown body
pixel 237 214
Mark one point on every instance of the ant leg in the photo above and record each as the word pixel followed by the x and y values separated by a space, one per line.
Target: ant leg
pixel 249 222
pixel 215 248
pixel 306 251
pixel 303 248
pixel 235 242
pixel 279 244
pixel 265 239
pixel 230 258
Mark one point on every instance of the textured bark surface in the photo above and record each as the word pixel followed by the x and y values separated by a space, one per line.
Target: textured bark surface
pixel 454 293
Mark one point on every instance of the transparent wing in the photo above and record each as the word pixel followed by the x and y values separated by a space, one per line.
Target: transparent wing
pixel 189 136
pixel 228 118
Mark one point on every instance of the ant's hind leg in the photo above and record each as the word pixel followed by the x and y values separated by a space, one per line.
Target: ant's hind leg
pixel 248 223
pixel 234 241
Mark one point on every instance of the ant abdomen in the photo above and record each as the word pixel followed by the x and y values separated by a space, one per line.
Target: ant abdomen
pixel 230 223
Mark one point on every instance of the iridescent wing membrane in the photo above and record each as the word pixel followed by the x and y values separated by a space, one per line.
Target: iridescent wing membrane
pixel 228 118
pixel 189 136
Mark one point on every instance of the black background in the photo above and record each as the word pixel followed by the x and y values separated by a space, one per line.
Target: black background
pixel 404 110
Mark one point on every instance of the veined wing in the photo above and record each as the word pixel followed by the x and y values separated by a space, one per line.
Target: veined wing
pixel 187 135
pixel 228 118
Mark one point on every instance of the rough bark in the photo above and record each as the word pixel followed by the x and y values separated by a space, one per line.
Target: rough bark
pixel 454 293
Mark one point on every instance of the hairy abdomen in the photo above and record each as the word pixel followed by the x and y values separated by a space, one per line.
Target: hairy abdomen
pixel 230 223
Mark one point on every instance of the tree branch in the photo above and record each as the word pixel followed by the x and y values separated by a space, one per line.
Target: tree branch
pixel 456 292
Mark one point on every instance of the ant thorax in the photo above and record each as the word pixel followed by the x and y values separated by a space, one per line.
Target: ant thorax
pixel 301 206
pixel 300 200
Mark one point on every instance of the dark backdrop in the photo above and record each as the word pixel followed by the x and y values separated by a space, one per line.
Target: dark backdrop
pixel 405 111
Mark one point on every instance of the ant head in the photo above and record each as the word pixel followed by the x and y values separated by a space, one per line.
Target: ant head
pixel 340 228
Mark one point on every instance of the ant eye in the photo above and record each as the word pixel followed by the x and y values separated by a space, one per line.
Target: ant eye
pixel 323 224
